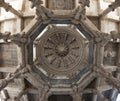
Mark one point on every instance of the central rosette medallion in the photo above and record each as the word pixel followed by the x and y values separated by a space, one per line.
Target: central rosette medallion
pixel 60 51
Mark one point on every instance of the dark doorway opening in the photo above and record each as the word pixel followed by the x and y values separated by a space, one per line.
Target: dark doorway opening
pixel 60 98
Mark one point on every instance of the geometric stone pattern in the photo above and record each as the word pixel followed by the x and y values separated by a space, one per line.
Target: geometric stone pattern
pixel 57 45
pixel 61 51
pixel 8 55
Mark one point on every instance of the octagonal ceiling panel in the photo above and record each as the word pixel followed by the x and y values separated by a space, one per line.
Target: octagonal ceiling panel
pixel 61 51
pixel 46 54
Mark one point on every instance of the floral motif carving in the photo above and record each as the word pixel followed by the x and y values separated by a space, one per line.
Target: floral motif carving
pixel 61 50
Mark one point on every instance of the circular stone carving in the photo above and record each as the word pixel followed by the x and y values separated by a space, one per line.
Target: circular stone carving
pixel 60 51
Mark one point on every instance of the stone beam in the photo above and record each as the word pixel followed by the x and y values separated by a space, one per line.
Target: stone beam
pixel 97 92
pixel 110 8
pixel 7 69
pixel 109 77
pixel 20 71
pixel 86 81
pixel 8 7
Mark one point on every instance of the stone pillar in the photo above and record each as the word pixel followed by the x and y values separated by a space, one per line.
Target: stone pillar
pixel 95 96
pixel 77 97
pixel 118 62
pixel 99 54
pixel 114 93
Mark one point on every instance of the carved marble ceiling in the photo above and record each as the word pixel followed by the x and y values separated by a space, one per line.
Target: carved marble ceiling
pixel 62 55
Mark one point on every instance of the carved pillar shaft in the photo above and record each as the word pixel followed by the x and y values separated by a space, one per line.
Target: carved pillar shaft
pixel 24 59
pixel 114 93
pixel 77 97
pixel 102 55
pixel 95 96
pixel 99 55
pixel 118 62
pixel 43 92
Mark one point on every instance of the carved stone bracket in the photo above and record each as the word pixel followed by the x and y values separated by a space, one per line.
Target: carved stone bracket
pixel 84 2
pixel 108 76
pixel 80 14
pixel 36 2
pixel 77 96
pixel 97 92
pixel 25 91
pixel 115 35
pixel 43 92
pixel 78 93
pixel 18 39
pixel 5 36
pixel 18 73
pixel 100 41
pixel 39 9
pixel 81 11
pixel 102 38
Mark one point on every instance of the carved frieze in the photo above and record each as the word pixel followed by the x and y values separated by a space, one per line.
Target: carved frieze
pixel 8 55
pixel 60 4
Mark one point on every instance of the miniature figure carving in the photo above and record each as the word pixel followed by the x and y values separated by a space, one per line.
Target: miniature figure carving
pixel 110 54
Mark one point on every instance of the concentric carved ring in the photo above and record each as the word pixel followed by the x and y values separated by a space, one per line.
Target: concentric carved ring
pixel 60 51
